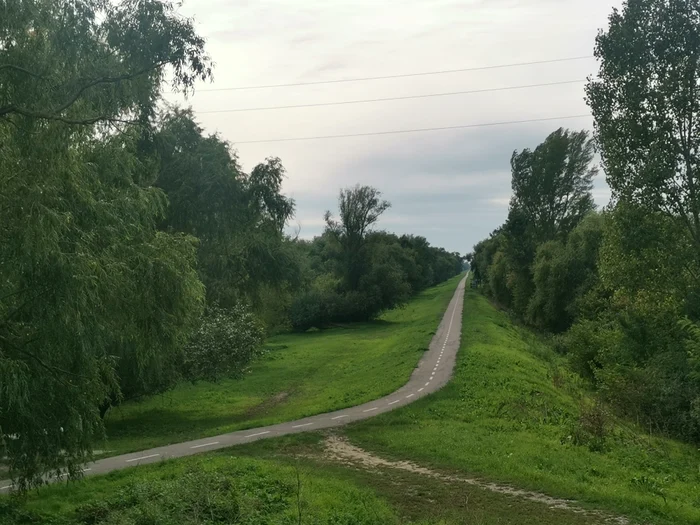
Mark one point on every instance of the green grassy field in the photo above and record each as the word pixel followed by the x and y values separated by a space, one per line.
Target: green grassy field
pixel 216 488
pixel 281 481
pixel 512 413
pixel 301 375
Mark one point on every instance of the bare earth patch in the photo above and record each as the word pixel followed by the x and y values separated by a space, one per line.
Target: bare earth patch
pixel 266 405
pixel 341 450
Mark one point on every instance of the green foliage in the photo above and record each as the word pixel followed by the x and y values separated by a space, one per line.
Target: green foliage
pixel 298 375
pixel 563 273
pixel 238 218
pixel 551 196
pixel 552 184
pixel 224 344
pixel 360 208
pixel 215 489
pixel 89 285
pixel 356 274
pixel 646 107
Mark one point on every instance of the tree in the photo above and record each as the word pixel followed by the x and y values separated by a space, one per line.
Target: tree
pixel 360 208
pixel 551 195
pixel 552 185
pixel 223 345
pixel 88 282
pixel 88 61
pixel 563 272
pixel 646 105
pixel 484 252
pixel 238 218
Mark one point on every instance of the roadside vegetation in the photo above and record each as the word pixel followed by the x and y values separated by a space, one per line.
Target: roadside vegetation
pixel 218 488
pixel 289 480
pixel 150 292
pixel 514 413
pixel 619 287
pixel 298 375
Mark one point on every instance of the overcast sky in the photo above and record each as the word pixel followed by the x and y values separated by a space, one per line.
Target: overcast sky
pixel 450 186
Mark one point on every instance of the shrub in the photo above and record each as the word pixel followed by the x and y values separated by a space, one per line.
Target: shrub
pixel 225 343
pixel 308 310
pixel 592 427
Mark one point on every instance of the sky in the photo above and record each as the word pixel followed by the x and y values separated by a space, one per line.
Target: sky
pixel 450 186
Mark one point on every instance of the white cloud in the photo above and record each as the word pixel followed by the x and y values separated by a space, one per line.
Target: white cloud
pixel 450 186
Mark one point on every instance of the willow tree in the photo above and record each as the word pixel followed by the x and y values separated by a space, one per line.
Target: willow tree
pixel 239 218
pixel 86 278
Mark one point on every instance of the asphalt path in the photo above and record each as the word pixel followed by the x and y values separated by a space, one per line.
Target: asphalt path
pixel 432 373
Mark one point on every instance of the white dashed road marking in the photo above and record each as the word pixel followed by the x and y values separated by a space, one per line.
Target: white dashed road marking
pixel 181 449
pixel 206 444
pixel 143 457
pixel 258 434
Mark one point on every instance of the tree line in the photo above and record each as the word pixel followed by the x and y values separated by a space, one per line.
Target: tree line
pixel 135 252
pixel 620 287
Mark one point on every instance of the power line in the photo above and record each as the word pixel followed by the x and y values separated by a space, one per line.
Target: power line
pixel 364 101
pixel 405 75
pixel 466 126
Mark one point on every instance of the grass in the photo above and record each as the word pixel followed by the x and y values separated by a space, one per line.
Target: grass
pixel 216 488
pixel 270 482
pixel 512 413
pixel 301 375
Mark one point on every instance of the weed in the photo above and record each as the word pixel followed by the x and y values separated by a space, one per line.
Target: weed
pixel 592 427
pixel 649 485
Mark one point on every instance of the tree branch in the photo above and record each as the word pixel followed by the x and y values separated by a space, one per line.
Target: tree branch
pixel 53 114
pixel 21 70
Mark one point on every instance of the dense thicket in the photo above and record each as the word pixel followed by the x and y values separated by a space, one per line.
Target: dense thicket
pixel 134 250
pixel 622 287
pixel 356 273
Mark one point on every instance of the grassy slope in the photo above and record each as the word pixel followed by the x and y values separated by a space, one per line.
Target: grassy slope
pixel 302 375
pixel 508 414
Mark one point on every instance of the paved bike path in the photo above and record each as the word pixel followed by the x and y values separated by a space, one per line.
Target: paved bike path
pixel 432 373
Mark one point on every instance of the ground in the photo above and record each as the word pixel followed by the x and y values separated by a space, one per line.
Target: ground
pixel 508 441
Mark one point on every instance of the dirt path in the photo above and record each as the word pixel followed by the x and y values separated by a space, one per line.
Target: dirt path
pixel 340 450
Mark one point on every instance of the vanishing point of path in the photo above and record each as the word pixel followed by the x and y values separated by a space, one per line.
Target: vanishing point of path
pixel 432 373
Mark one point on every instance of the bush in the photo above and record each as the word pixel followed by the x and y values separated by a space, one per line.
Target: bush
pixel 317 309
pixel 225 343
pixel 358 306
pixel 592 427
pixel 309 310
